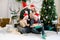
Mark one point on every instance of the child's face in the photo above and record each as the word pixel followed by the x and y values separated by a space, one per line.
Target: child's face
pixel 33 9
pixel 35 17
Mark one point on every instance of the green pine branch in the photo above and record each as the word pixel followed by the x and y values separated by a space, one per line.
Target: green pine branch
pixel 21 0
pixel 48 11
pixel 18 0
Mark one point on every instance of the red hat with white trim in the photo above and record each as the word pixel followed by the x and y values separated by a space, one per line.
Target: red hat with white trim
pixel 32 6
pixel 26 13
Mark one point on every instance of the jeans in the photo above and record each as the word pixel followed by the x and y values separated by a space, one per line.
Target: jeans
pixel 23 30
pixel 37 31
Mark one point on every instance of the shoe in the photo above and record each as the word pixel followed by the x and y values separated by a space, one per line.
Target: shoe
pixel 44 36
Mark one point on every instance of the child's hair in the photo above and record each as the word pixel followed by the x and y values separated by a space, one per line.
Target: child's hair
pixel 21 16
pixel 25 14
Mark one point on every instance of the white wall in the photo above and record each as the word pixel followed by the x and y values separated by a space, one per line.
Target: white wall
pixel 3 8
pixel 57 2
pixel 6 4
pixel 14 6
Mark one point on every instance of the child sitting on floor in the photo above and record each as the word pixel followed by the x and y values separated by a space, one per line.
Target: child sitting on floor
pixel 36 26
pixel 24 27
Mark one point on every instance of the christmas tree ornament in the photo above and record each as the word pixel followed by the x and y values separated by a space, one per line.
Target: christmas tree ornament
pixel 49 6
pixel 44 7
pixel 56 16
pixel 54 3
pixel 46 16
pixel 48 21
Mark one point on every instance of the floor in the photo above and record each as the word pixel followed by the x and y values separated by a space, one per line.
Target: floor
pixel 50 35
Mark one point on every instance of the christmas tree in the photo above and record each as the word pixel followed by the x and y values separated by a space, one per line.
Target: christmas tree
pixel 48 12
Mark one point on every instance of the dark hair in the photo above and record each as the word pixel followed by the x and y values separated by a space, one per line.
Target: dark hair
pixel 23 11
pixel 21 16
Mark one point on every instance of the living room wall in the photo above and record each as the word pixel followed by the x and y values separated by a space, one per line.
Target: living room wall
pixel 57 2
pixel 5 6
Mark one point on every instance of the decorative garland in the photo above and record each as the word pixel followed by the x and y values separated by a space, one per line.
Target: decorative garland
pixel 18 0
pixel 21 0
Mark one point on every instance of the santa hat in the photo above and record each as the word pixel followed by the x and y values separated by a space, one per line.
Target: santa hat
pixel 26 13
pixel 37 15
pixel 24 4
pixel 32 6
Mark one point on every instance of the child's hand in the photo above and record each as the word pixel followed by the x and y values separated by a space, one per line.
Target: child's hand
pixel 27 24
pixel 31 26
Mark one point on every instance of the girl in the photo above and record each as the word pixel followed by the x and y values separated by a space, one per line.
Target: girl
pixel 24 26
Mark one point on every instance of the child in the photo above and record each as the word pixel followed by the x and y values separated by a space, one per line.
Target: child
pixel 36 26
pixel 23 23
